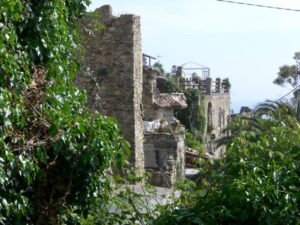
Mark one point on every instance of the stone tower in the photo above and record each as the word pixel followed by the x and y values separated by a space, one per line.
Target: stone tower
pixel 112 74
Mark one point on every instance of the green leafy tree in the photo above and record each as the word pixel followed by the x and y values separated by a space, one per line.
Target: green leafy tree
pixel 226 83
pixel 54 155
pixel 159 67
pixel 127 204
pixel 170 87
pixel 263 118
pixel 289 74
pixel 277 111
pixel 256 183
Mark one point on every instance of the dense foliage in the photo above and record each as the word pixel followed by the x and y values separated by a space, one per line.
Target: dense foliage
pixel 289 74
pixel 256 183
pixel 193 117
pixel 127 204
pixel 170 87
pixel 53 153
pixel 159 67
pixel 192 142
pixel 55 156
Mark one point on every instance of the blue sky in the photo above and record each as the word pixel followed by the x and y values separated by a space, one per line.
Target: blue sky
pixel 247 44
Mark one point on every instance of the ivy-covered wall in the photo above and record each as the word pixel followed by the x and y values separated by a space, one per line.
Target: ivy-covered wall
pixel 193 117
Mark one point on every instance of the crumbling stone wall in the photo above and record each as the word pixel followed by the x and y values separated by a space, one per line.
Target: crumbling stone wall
pixel 165 154
pixel 149 93
pixel 112 76
pixel 164 147
pixel 220 110
pixel 217 110
pixel 216 107
pixel 119 85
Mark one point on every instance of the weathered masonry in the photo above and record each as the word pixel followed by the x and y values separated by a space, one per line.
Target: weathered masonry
pixel 112 76
pixel 164 146
pixel 216 106
pixel 120 84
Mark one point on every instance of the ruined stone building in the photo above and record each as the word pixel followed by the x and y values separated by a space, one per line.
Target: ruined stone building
pixel 121 83
pixel 216 103
pixel 164 136
pixel 112 74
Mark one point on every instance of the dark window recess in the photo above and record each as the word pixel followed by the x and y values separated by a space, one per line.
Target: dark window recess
pixel 157 157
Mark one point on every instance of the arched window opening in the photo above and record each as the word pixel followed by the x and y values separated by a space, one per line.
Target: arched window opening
pixel 223 118
pixel 209 118
pixel 220 118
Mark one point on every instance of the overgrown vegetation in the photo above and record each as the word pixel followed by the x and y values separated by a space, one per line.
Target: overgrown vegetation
pixel 258 179
pixel 192 142
pixel 124 203
pixel 256 183
pixel 54 155
pixel 193 118
pixel 159 67
pixel 170 87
